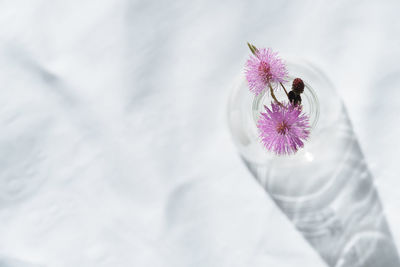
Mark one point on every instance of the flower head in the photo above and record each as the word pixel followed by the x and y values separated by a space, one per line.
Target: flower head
pixel 264 68
pixel 283 128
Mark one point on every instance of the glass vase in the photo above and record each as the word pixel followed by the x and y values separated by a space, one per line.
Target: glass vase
pixel 326 188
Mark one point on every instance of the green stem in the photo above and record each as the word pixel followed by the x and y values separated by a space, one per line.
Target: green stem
pixel 252 48
pixel 284 89
pixel 273 95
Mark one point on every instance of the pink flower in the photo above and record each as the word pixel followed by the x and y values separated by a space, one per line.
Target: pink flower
pixel 263 68
pixel 283 128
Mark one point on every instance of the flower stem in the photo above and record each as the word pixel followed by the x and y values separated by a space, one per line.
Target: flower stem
pixel 284 89
pixel 273 95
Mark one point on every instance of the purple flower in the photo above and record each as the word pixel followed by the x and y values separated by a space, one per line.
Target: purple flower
pixel 263 68
pixel 283 128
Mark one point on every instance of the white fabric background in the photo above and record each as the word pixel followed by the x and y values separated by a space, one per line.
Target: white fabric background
pixel 114 149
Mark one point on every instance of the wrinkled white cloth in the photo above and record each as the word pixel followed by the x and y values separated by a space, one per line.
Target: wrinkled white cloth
pixel 114 149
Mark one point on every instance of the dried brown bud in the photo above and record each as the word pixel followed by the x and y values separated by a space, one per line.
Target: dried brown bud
pixel 298 86
pixel 294 98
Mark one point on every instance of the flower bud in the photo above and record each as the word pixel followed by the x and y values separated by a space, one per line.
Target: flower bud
pixel 298 86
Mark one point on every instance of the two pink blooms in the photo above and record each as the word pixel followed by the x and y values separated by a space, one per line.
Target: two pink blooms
pixel 284 127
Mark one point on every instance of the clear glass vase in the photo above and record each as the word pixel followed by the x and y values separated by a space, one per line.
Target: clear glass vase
pixel 325 189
